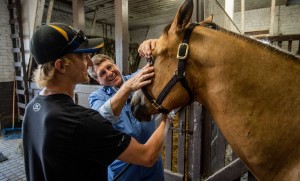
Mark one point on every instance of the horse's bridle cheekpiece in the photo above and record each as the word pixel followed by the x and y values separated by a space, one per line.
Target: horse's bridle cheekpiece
pixel 179 74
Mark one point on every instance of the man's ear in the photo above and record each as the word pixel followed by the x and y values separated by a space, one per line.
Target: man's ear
pixel 59 66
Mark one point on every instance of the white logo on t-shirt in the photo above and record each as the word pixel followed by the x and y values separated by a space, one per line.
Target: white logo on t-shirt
pixel 36 107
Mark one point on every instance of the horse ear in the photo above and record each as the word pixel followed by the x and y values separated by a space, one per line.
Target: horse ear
pixel 209 19
pixel 183 15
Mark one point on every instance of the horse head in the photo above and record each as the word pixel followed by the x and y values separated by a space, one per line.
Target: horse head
pixel 166 66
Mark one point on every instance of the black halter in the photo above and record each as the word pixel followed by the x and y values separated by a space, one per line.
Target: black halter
pixel 179 74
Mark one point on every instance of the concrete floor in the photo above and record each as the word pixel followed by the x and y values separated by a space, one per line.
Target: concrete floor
pixel 13 168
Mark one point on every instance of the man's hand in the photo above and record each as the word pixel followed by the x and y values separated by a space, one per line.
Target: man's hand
pixel 140 79
pixel 145 49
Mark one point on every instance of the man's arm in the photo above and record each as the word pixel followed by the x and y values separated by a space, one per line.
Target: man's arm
pixel 147 154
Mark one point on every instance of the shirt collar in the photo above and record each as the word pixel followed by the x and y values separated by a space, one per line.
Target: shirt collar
pixel 112 89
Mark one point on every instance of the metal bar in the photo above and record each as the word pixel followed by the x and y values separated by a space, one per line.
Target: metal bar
pixel 168 150
pixel 181 155
pixel 298 52
pixel 220 150
pixel 169 175
pixel 194 149
pixel 232 171
pixel 290 45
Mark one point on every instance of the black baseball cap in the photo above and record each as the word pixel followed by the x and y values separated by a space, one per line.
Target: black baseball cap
pixel 52 41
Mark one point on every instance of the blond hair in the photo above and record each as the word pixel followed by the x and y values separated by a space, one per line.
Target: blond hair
pixel 45 72
pixel 98 60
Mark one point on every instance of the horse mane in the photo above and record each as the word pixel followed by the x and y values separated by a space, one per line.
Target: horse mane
pixel 263 44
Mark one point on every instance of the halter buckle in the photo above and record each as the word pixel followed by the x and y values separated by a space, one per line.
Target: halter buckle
pixel 156 105
pixel 183 51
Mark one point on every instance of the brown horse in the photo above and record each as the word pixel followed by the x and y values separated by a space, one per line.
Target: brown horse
pixel 251 89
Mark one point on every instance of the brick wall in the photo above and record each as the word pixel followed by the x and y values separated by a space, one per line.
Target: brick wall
pixel 6 66
pixel 6 56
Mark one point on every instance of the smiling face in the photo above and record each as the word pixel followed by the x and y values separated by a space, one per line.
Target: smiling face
pixel 108 74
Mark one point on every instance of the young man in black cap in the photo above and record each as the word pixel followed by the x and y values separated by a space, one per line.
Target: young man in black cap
pixel 63 140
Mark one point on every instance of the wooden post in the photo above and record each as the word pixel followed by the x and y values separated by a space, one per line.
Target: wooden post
pixel 195 16
pixel 49 13
pixel 242 16
pixel 78 14
pixel 39 14
pixel 94 20
pixel 198 13
pixel 229 8
pixel 273 14
pixel 37 23
pixel 122 35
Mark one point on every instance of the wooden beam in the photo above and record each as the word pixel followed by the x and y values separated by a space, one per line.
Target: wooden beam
pixel 39 14
pixel 37 23
pixel 78 14
pixel 242 16
pixel 229 8
pixel 94 20
pixel 273 14
pixel 65 2
pixel 49 13
pixel 195 17
pixel 122 35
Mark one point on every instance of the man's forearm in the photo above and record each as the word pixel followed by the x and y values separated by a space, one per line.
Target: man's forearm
pixel 119 99
pixel 156 141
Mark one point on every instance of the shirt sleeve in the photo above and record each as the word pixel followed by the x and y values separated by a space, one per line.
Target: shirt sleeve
pixel 102 104
pixel 106 111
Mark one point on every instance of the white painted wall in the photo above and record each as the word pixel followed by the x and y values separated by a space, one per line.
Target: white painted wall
pixel 287 17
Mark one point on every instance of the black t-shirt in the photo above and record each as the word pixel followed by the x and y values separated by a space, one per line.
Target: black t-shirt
pixel 65 141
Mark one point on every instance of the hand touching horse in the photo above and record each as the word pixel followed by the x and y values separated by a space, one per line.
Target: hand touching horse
pixel 251 89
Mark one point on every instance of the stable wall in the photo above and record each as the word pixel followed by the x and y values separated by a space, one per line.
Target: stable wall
pixel 287 18
pixel 7 69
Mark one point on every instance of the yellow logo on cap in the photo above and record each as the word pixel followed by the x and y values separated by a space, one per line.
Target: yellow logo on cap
pixel 100 46
pixel 61 31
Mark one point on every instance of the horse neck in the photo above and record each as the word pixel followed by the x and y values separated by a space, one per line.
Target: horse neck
pixel 221 65
pixel 243 86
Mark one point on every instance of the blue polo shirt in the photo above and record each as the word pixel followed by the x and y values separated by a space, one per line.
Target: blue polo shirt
pixel 100 100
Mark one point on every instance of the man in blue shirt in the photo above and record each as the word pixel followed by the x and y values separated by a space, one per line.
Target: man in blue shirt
pixel 114 104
